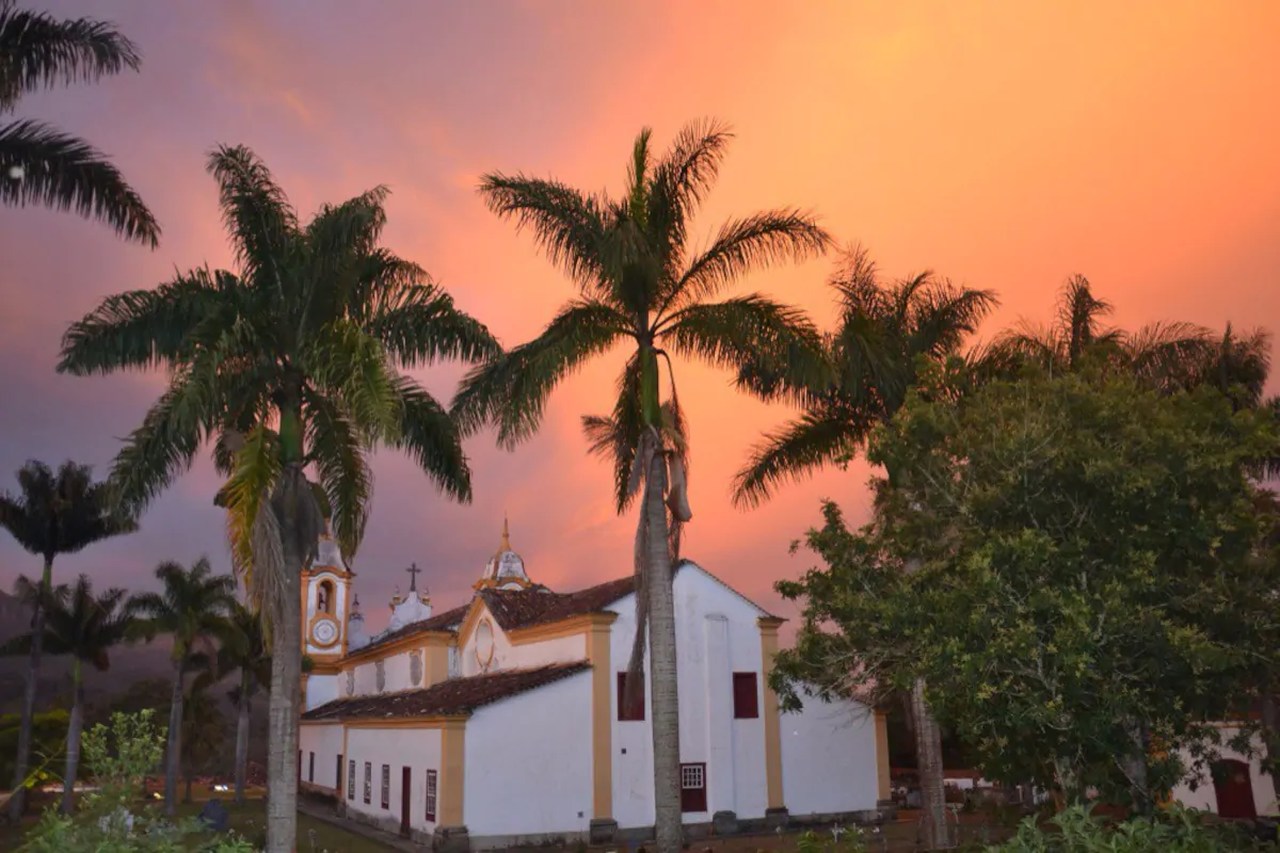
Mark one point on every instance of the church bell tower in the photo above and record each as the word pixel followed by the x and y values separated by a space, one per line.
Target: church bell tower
pixel 326 600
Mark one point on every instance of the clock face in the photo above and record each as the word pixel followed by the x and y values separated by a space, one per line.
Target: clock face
pixel 484 644
pixel 324 632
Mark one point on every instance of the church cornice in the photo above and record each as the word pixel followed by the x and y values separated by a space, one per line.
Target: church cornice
pixel 569 627
pixel 416 640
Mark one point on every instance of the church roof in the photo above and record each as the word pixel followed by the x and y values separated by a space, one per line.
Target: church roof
pixel 523 608
pixel 450 697
pixel 446 621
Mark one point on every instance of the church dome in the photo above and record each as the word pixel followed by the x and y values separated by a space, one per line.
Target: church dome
pixel 505 569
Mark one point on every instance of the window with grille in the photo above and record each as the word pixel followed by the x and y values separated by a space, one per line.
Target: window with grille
pixel 368 782
pixel 386 786
pixel 693 787
pixel 634 710
pixel 351 779
pixel 746 701
pixel 431 795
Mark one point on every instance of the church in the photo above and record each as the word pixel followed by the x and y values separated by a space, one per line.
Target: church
pixel 502 721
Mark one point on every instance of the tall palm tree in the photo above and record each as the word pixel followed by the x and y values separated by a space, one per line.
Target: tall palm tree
pixel 82 625
pixel 40 164
pixel 883 335
pixel 288 365
pixel 242 650
pixel 193 610
pixel 52 514
pixel 640 283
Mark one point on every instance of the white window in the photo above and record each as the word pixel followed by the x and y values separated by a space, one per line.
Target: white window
pixel 691 776
pixel 368 782
pixel 351 779
pixel 431 795
pixel 386 786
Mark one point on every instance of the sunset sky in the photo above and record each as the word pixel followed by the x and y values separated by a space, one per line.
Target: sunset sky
pixel 1005 145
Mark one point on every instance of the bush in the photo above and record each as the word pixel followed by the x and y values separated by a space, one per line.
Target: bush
pixel 1176 830
pixel 110 820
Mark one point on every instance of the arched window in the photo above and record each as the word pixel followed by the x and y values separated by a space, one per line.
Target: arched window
pixel 324 597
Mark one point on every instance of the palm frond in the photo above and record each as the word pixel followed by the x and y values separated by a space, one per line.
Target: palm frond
pixel 142 329
pixel 615 438
pixel 39 51
pixel 420 324
pixel 258 216
pixel 336 449
pixel 346 362
pixel 743 245
pixel 42 165
pixel 255 470
pixel 512 390
pixel 749 330
pixel 817 438
pixel 568 225
pixel 432 439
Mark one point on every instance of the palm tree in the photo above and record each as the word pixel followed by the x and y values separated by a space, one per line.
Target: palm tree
pixel 86 627
pixel 40 164
pixel 1164 355
pixel 639 282
pixel 193 610
pixel 52 514
pixel 289 365
pixel 883 336
pixel 243 650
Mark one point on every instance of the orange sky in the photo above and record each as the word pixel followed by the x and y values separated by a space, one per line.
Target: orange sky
pixel 1006 145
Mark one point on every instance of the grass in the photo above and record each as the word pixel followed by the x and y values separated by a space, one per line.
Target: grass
pixel 249 820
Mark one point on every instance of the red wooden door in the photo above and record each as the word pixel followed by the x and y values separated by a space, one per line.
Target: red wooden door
pixel 1233 788
pixel 405 778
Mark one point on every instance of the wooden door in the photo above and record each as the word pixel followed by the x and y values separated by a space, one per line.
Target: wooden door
pixel 1233 788
pixel 406 778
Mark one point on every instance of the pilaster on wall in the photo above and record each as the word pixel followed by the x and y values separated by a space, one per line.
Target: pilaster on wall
pixel 772 725
pixel 601 721
pixel 453 770
pixel 883 782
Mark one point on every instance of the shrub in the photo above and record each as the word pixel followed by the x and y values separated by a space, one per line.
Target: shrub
pixel 1176 830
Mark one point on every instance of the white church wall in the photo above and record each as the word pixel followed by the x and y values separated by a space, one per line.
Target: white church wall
pixel 716 636
pixel 322 689
pixel 529 763
pixel 509 655
pixel 325 742
pixel 366 678
pixel 417 749
pixel 1205 797
pixel 829 758
pixel 396 672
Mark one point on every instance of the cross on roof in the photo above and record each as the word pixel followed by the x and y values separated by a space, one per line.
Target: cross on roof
pixel 413 576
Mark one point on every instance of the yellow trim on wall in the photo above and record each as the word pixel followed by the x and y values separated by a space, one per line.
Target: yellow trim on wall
pixel 468 626
pixel 562 628
pixel 772 725
pixel 452 782
pixel 435 660
pixel 432 722
pixel 883 781
pixel 601 722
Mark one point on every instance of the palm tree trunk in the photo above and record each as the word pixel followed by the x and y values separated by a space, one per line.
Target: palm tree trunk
pixel 242 735
pixel 173 764
pixel 73 738
pixel 17 802
pixel 929 765
pixel 286 671
pixel 668 831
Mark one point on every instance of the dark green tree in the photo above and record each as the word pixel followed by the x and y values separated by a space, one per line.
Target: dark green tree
pixel 884 335
pixel 641 284
pixel 52 514
pixel 86 627
pixel 288 365
pixel 193 610
pixel 40 164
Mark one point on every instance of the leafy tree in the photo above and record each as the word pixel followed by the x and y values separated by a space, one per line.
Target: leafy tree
pixel 287 365
pixel 884 334
pixel 1083 547
pixel 40 164
pixel 53 513
pixel 641 283
pixel 85 626
pixel 193 610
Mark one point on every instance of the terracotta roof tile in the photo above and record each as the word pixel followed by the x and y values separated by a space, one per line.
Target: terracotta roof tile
pixel 446 621
pixel 523 608
pixel 450 697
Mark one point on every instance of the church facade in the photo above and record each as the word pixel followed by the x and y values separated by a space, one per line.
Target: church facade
pixel 504 721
